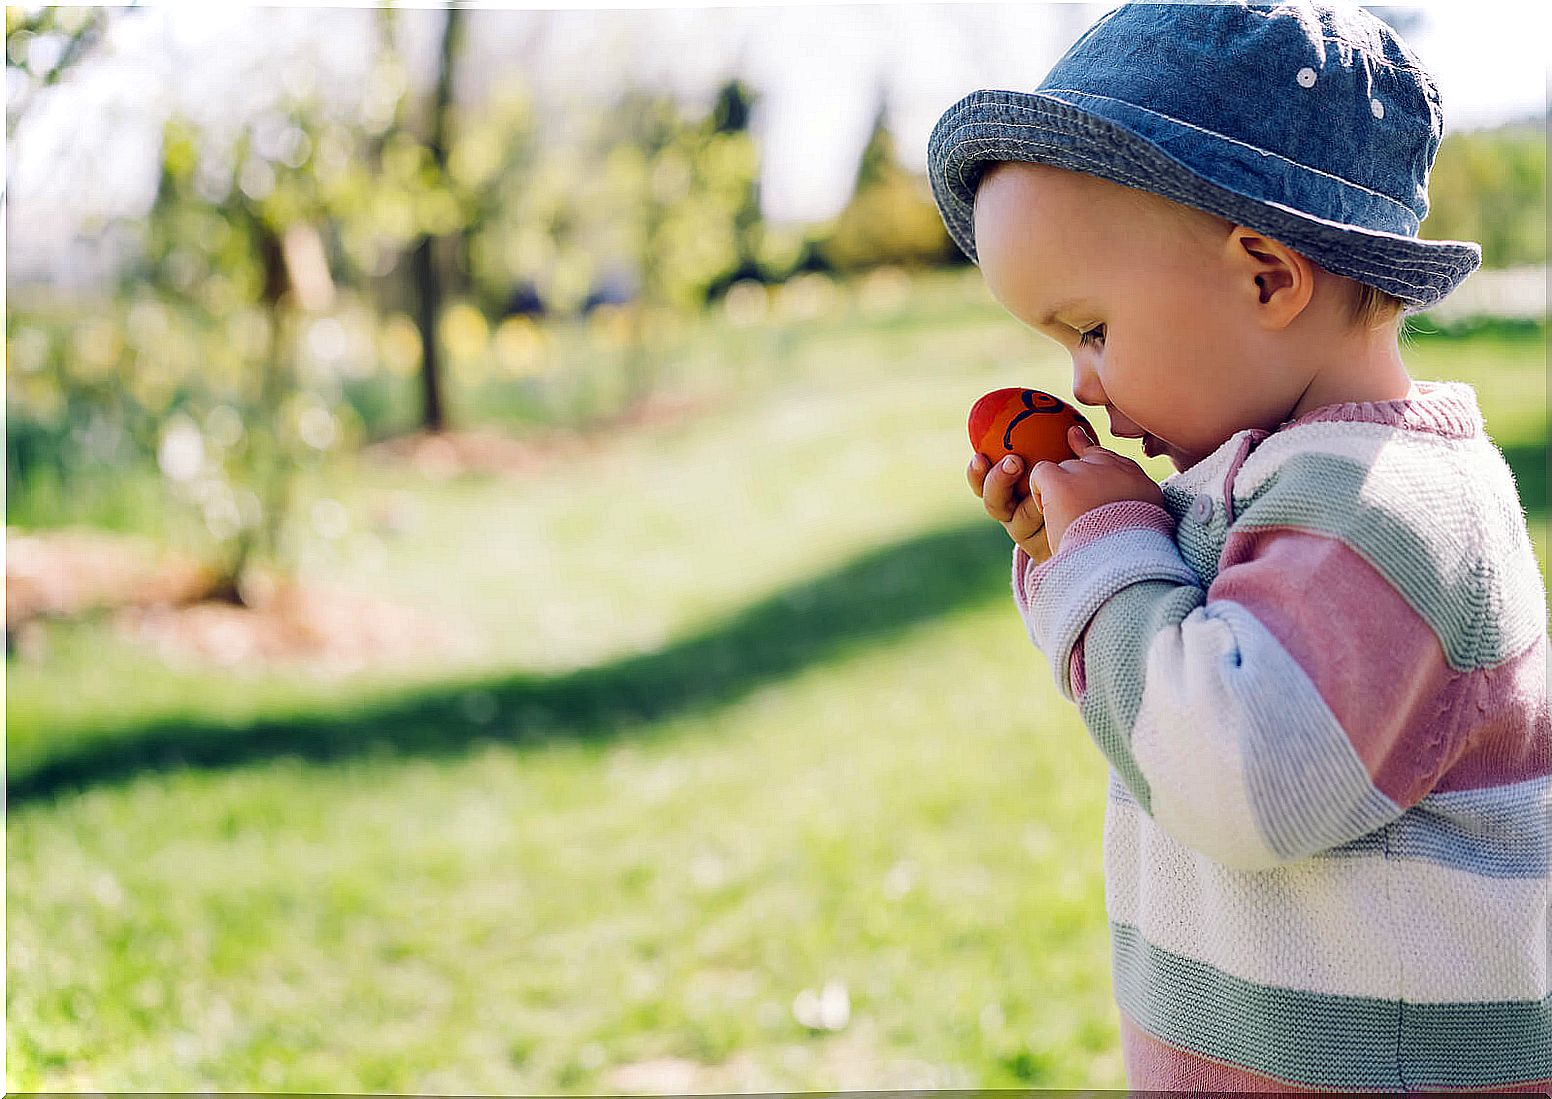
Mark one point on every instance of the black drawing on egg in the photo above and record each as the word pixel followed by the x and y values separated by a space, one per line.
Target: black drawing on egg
pixel 1034 402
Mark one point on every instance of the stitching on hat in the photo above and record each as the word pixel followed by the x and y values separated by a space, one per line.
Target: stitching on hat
pixel 1225 137
pixel 1074 120
pixel 1378 263
pixel 1431 269
pixel 1426 265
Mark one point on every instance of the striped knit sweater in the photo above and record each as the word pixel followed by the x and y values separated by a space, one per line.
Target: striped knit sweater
pixel 1319 675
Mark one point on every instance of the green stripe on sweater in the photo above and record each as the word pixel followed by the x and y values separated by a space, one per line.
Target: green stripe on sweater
pixel 1115 659
pixel 1320 1040
pixel 1466 591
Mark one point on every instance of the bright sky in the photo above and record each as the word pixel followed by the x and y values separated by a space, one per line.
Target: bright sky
pixel 90 144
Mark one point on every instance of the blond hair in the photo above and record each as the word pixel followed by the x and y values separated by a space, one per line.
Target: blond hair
pixel 1370 307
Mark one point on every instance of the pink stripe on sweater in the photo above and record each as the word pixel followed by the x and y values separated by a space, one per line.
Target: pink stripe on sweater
pixel 1512 738
pixel 1152 1065
pixel 1380 667
pixel 1117 515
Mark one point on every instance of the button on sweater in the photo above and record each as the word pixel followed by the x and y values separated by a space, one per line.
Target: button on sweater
pixel 1319 676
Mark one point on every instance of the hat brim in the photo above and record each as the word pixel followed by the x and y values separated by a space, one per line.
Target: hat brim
pixel 993 124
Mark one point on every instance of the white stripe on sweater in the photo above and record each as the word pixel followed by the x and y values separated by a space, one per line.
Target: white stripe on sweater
pixel 1432 934
pixel 1244 759
pixel 1364 443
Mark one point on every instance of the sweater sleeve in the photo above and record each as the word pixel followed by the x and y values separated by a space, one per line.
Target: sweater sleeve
pixel 1296 704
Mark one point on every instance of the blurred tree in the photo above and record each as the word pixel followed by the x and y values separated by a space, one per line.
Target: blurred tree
pixel 41 46
pixel 473 166
pixel 638 211
pixel 760 256
pixel 237 251
pixel 51 425
pixel 685 201
pixel 1490 186
pixel 493 160
pixel 890 217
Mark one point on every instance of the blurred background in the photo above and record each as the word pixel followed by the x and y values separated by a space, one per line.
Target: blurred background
pixel 492 600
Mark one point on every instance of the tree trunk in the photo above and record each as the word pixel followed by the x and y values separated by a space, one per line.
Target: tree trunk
pixel 427 273
pixel 428 307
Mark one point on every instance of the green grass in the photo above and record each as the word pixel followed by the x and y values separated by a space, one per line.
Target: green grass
pixel 754 713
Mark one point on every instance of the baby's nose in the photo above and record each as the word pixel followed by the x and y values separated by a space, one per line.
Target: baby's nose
pixel 1086 387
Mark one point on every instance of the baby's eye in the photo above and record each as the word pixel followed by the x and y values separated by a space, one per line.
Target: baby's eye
pixel 1093 335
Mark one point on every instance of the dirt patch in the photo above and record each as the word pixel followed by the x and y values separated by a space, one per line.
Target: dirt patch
pixel 165 601
pixel 68 572
pixel 324 633
pixel 172 603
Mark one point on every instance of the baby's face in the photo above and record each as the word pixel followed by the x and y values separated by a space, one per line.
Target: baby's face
pixel 1155 319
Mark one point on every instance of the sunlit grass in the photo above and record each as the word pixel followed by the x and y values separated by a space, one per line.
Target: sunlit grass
pixel 754 715
pixel 897 821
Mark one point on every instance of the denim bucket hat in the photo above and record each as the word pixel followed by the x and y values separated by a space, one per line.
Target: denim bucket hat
pixel 1312 123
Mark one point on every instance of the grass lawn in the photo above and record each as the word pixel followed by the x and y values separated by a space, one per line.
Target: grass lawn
pixel 754 718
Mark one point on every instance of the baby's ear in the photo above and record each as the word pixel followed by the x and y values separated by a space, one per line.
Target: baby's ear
pixel 1278 281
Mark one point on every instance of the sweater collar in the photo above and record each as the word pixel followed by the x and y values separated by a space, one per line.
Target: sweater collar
pixel 1440 408
pixel 1449 409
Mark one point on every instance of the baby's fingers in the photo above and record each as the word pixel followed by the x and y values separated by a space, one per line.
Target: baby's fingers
pixel 976 472
pixel 1005 487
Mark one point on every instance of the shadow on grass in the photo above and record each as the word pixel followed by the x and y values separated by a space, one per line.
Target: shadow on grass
pixel 869 600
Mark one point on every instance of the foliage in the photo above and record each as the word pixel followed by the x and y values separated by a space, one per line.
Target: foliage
pixel 269 320
pixel 42 45
pixel 890 218
pixel 644 185
pixel 1490 186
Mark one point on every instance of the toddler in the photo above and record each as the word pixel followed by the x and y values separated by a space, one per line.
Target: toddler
pixel 1315 656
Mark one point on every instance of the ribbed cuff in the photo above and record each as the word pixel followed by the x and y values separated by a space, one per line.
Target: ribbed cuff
pixel 1104 550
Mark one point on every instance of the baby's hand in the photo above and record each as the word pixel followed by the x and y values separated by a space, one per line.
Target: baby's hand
pixel 1022 519
pixel 1066 490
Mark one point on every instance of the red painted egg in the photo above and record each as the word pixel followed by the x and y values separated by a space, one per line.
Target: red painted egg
pixel 1025 422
